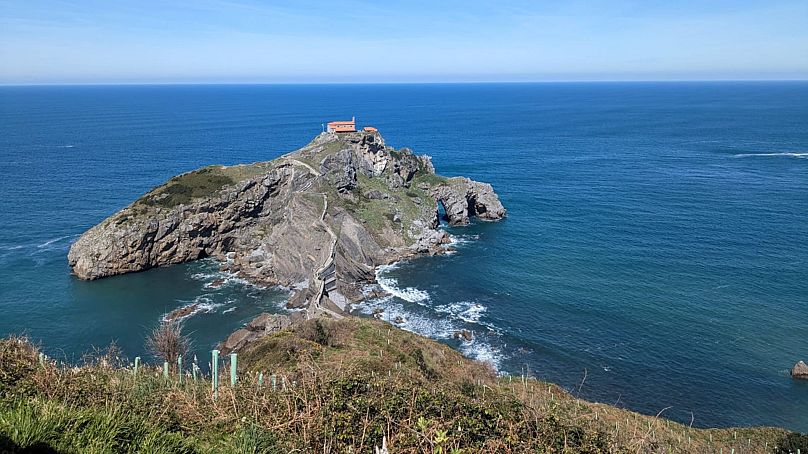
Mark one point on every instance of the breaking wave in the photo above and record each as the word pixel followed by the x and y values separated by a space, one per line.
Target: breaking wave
pixel 216 279
pixel 436 326
pixel 483 352
pixel 390 285
pixel 459 240
pixel 440 322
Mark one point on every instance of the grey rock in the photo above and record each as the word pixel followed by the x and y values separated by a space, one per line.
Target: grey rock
pixel 280 222
pixel 463 198
pixel 377 195
pixel 342 167
pixel 257 328
pixel 237 340
pixel 800 371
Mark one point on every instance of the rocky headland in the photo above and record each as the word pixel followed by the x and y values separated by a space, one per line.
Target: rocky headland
pixel 318 220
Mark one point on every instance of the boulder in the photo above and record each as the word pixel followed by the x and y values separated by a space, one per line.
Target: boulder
pixel 237 340
pixel 800 371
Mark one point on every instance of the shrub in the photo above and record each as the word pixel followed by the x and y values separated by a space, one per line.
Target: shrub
pixel 168 343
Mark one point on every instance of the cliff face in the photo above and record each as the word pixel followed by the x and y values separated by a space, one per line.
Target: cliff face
pixel 318 220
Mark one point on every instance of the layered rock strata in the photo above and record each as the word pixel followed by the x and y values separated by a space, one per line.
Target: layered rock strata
pixel 318 220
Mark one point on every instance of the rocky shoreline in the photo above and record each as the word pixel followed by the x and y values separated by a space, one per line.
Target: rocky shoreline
pixel 318 220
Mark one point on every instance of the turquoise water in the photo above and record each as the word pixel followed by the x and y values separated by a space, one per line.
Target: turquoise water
pixel 656 241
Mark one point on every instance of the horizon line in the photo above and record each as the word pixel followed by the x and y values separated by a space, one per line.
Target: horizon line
pixel 503 82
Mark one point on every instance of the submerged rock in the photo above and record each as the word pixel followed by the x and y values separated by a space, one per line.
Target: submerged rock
pixel 181 312
pixel 327 214
pixel 463 334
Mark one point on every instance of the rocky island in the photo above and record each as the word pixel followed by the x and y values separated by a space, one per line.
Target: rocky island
pixel 318 220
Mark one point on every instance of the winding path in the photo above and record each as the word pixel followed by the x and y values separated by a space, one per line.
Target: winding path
pixel 322 276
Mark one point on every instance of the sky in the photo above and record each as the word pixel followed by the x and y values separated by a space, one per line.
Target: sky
pixel 358 41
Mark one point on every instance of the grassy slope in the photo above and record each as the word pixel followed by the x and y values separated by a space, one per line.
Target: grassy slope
pixel 347 384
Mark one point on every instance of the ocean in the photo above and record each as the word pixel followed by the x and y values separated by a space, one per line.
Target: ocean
pixel 655 254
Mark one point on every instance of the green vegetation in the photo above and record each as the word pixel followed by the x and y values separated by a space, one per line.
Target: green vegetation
pixel 204 182
pixel 188 186
pixel 429 178
pixel 378 214
pixel 340 386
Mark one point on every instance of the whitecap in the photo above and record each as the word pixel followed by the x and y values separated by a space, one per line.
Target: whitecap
pixel 791 155
pixel 229 310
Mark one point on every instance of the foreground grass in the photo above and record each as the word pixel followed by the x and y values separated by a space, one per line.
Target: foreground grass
pixel 339 386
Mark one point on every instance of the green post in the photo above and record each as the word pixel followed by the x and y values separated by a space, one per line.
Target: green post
pixel 215 372
pixel 260 379
pixel 179 368
pixel 193 371
pixel 165 370
pixel 137 364
pixel 233 367
pixel 274 382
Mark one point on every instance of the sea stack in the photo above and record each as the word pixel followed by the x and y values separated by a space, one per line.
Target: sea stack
pixel 318 220
pixel 800 371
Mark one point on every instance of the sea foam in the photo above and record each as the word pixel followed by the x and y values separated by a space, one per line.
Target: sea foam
pixel 390 285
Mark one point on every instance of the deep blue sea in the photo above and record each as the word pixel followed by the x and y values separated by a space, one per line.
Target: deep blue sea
pixel 656 243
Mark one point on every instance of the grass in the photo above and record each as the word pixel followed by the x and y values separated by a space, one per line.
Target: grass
pixel 189 187
pixel 341 386
pixel 201 183
pixel 378 214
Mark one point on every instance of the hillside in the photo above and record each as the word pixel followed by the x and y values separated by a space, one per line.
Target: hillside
pixel 329 386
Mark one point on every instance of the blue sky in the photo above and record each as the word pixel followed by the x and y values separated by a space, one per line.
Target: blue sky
pixel 247 41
